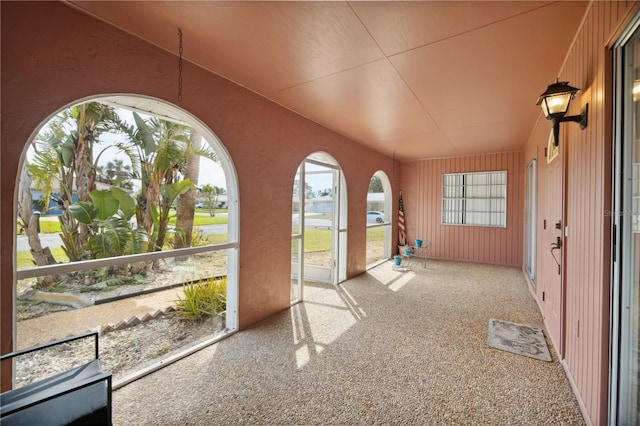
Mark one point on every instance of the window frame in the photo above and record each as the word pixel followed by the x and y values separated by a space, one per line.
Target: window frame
pixel 170 112
pixel 456 193
pixel 531 212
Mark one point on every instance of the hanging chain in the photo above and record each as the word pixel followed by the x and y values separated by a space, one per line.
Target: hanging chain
pixel 180 67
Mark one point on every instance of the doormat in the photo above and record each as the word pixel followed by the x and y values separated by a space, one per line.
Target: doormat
pixel 518 339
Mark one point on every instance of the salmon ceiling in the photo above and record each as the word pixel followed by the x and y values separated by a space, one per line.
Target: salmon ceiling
pixel 421 79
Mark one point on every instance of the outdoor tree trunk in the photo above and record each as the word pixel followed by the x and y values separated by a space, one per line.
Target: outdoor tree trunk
pixel 187 201
pixel 165 207
pixel 83 162
pixel 41 256
pixel 151 194
pixel 69 234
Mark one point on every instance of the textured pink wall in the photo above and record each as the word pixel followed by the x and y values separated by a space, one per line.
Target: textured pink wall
pixel 422 194
pixel 53 55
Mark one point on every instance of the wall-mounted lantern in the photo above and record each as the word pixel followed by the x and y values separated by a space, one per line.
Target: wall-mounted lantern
pixel 555 104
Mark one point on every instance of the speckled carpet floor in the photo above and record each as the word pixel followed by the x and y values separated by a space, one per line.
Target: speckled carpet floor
pixel 386 347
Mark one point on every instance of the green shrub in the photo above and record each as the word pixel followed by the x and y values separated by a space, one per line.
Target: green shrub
pixel 202 299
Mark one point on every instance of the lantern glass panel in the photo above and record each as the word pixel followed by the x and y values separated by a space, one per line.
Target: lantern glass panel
pixel 557 104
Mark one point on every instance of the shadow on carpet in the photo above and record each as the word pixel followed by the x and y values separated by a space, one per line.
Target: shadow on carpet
pixel 518 339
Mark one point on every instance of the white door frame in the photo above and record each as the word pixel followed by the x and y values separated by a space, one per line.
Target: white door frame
pixel 624 212
pixel 336 272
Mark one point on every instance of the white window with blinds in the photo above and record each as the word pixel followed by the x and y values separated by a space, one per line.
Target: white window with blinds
pixel 476 199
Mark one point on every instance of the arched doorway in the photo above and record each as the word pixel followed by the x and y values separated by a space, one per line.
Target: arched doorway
pixel 378 219
pixel 319 223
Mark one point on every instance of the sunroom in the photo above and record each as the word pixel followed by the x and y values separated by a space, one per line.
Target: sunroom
pixel 312 107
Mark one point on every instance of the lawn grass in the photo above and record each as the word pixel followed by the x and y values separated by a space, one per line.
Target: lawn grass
pixel 317 239
pixel 205 220
pixel 375 234
pixel 51 224
pixel 216 238
pixel 218 211
pixel 320 239
pixel 48 225
pixel 25 260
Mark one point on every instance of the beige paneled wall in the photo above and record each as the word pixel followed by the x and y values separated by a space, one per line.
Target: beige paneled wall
pixel 422 195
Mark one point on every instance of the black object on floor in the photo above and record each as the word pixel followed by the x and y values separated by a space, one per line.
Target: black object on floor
pixel 80 396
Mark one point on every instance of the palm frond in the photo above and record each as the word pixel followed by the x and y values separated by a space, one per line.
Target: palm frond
pixel 137 241
pixel 99 246
pixel 206 151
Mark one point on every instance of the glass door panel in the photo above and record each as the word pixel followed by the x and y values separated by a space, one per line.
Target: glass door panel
pixel 297 237
pixel 296 270
pixel 530 220
pixel 626 307
pixel 378 219
pixel 319 221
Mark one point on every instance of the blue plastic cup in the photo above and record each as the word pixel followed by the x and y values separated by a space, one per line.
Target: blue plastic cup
pixel 418 243
pixel 398 260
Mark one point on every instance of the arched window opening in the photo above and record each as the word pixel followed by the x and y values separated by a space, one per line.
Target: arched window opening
pixel 378 219
pixel 127 218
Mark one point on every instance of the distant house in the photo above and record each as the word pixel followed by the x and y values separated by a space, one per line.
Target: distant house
pixel 375 201
pixel 324 204
pixel 221 202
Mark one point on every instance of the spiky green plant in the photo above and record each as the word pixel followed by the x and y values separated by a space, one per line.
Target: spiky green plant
pixel 203 299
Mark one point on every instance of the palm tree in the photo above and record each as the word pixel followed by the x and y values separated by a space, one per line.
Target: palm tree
pixel 159 152
pixel 115 173
pixel 187 201
pixel 29 221
pixel 63 165
pixel 211 194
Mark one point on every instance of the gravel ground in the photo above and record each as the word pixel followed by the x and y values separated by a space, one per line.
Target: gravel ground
pixel 383 348
pixel 121 352
pixel 169 272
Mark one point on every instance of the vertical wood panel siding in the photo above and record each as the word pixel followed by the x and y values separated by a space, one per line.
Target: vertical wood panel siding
pixel 587 199
pixel 422 194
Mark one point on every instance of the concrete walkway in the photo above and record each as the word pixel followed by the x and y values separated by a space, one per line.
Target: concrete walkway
pixel 43 329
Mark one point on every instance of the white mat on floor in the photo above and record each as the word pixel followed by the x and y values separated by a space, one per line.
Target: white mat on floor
pixel 518 339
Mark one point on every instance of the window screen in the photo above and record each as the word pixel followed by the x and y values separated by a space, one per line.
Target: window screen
pixel 478 199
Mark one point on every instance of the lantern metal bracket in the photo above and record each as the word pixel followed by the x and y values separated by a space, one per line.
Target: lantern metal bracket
pixel 581 119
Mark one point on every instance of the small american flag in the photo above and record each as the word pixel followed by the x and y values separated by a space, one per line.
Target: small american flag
pixel 401 228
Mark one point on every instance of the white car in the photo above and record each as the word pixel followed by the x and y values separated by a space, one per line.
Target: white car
pixel 375 217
